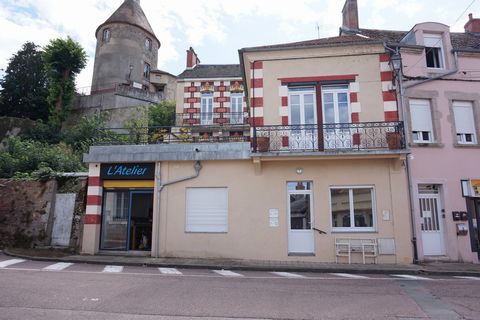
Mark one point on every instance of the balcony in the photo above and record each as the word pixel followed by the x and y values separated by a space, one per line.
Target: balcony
pixel 330 138
pixel 211 119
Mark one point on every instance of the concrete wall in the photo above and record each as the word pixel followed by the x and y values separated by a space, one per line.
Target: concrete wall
pixel 253 191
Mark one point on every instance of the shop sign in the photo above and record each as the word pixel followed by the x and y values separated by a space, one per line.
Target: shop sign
pixel 128 171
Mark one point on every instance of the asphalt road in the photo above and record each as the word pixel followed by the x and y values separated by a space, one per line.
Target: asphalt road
pixel 43 290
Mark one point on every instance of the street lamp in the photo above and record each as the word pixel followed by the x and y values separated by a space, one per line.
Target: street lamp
pixel 396 61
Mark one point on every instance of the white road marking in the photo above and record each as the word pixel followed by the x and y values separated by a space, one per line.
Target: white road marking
pixel 348 275
pixel 288 275
pixel 407 276
pixel 228 273
pixel 468 278
pixel 113 269
pixel 58 266
pixel 169 271
pixel 7 263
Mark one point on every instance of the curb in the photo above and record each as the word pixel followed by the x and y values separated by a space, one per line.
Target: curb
pixel 233 267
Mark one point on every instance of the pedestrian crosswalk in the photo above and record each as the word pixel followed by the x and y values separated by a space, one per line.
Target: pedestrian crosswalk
pixel 23 264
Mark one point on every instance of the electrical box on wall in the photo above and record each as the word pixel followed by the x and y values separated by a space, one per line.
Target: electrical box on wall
pixel 459 216
pixel 462 229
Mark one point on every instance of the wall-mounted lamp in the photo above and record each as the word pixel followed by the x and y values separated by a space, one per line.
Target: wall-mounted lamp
pixel 299 170
pixel 396 61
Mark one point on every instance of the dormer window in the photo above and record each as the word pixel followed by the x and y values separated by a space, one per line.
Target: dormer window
pixel 148 44
pixel 106 35
pixel 434 51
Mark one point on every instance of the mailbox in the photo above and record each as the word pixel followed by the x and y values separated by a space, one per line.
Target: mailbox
pixel 462 229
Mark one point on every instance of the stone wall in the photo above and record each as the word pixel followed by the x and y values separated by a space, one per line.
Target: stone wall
pixel 25 212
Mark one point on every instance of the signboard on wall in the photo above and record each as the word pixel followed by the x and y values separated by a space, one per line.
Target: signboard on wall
pixel 128 171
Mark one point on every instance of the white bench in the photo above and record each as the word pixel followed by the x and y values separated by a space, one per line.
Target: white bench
pixel 344 247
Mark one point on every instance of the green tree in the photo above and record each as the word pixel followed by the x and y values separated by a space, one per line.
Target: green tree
pixel 24 86
pixel 64 59
pixel 162 114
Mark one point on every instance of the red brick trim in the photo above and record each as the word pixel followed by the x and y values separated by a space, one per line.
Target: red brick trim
pixel 257 122
pixel 353 97
pixel 256 65
pixel 384 57
pixel 284 121
pixel 257 83
pixel 94 182
pixel 94 200
pixel 343 77
pixel 389 96
pixel 92 219
pixel 391 116
pixel 355 117
pixel 284 101
pixel 386 76
pixel 257 102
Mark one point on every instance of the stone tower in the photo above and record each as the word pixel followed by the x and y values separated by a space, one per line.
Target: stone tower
pixel 127 50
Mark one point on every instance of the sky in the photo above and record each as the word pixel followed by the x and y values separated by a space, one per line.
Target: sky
pixel 216 29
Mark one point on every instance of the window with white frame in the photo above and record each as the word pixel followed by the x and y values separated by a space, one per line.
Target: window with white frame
pixel 464 122
pixel 206 108
pixel 421 116
pixel 236 108
pixel 433 50
pixel 352 208
pixel 206 210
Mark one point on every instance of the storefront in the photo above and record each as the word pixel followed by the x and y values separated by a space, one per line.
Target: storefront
pixel 127 206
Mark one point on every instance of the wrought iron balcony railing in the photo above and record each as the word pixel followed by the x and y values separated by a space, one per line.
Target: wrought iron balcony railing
pixel 156 135
pixel 338 137
pixel 211 119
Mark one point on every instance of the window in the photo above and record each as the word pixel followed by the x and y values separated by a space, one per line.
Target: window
pixel 148 44
pixel 106 35
pixel 464 122
pixel 236 108
pixel 421 115
pixel 206 210
pixel 433 50
pixel 206 109
pixel 352 209
pixel 146 70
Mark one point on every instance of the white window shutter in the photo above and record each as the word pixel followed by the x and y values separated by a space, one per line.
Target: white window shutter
pixel 463 113
pixel 432 40
pixel 206 210
pixel 421 115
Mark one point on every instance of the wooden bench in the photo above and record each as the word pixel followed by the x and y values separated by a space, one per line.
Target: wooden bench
pixel 344 247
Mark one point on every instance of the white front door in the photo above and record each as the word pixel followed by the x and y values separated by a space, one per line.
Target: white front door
pixel 302 118
pixel 336 117
pixel 300 218
pixel 431 223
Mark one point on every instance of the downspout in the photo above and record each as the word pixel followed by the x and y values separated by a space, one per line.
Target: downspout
pixel 198 167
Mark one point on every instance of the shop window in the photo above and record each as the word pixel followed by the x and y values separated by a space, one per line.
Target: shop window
pixel 464 122
pixel 206 210
pixel 421 116
pixel 352 209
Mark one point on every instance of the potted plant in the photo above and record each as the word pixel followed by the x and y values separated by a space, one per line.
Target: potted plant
pixel 394 140
pixel 263 144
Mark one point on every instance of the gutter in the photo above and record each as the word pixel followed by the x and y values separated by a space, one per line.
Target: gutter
pixel 198 167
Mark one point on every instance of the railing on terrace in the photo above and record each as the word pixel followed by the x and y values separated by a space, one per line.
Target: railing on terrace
pixel 211 118
pixel 338 137
pixel 157 135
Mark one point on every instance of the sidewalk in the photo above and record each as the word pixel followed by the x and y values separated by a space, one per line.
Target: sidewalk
pixel 431 268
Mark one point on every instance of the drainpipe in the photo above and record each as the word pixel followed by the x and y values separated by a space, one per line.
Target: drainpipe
pixel 197 166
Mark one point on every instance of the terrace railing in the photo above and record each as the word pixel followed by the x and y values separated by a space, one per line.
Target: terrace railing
pixel 211 119
pixel 338 137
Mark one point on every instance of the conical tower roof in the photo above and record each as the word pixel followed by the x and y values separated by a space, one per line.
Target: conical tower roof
pixel 130 12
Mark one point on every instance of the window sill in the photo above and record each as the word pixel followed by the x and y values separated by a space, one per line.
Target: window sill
pixel 467 145
pixel 426 144
pixel 353 231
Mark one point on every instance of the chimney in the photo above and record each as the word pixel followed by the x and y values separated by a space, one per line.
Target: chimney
pixel 192 59
pixel 350 15
pixel 473 25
